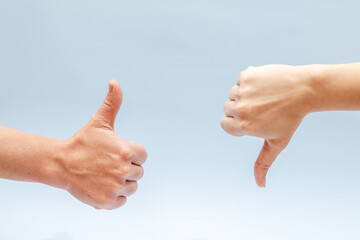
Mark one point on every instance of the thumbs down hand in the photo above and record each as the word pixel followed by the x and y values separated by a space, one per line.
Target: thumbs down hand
pixel 268 102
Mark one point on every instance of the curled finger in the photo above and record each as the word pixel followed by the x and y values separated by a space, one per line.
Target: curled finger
pixel 229 109
pixel 229 126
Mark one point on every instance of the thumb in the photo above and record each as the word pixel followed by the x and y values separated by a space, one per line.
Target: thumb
pixel 111 105
pixel 269 152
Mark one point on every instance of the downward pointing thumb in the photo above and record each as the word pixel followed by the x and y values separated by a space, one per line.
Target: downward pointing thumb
pixel 109 109
pixel 269 152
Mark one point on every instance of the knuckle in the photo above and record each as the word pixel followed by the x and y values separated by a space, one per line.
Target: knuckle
pixel 108 102
pixel 234 88
pixel 245 92
pixel 243 110
pixel 124 170
pixel 246 76
pixel 126 153
pixel 104 201
pixel 234 92
pixel 227 105
pixel 244 126
pixel 262 166
pixel 266 166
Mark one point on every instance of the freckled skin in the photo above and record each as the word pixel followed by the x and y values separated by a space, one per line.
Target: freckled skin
pixel 95 165
pixel 270 102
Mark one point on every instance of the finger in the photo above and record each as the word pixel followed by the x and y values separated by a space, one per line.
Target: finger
pixel 238 79
pixel 116 203
pixel 234 93
pixel 130 188
pixel 119 202
pixel 242 74
pixel 229 126
pixel 264 161
pixel 229 109
pixel 111 105
pixel 136 172
pixel 140 153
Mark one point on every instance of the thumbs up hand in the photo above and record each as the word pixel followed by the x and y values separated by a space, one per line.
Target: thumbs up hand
pixel 268 102
pixel 100 168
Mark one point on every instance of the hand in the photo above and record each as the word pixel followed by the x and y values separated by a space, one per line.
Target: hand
pixel 268 102
pixel 101 168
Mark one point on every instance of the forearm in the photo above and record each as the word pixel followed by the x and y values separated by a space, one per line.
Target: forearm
pixel 28 157
pixel 335 87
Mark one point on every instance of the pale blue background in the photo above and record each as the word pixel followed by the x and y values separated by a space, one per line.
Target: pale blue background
pixel 176 62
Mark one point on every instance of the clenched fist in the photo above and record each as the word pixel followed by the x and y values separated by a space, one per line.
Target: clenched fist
pixel 101 168
pixel 268 102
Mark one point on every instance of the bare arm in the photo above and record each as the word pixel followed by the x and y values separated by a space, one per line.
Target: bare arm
pixel 271 101
pixel 336 87
pixel 95 165
pixel 28 157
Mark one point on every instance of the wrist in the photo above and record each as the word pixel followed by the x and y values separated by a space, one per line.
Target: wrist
pixel 304 95
pixel 54 171
pixel 315 80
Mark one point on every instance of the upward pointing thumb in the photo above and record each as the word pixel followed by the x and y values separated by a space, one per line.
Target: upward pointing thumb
pixel 111 105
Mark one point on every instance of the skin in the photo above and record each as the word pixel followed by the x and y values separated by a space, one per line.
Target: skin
pixel 95 165
pixel 270 102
